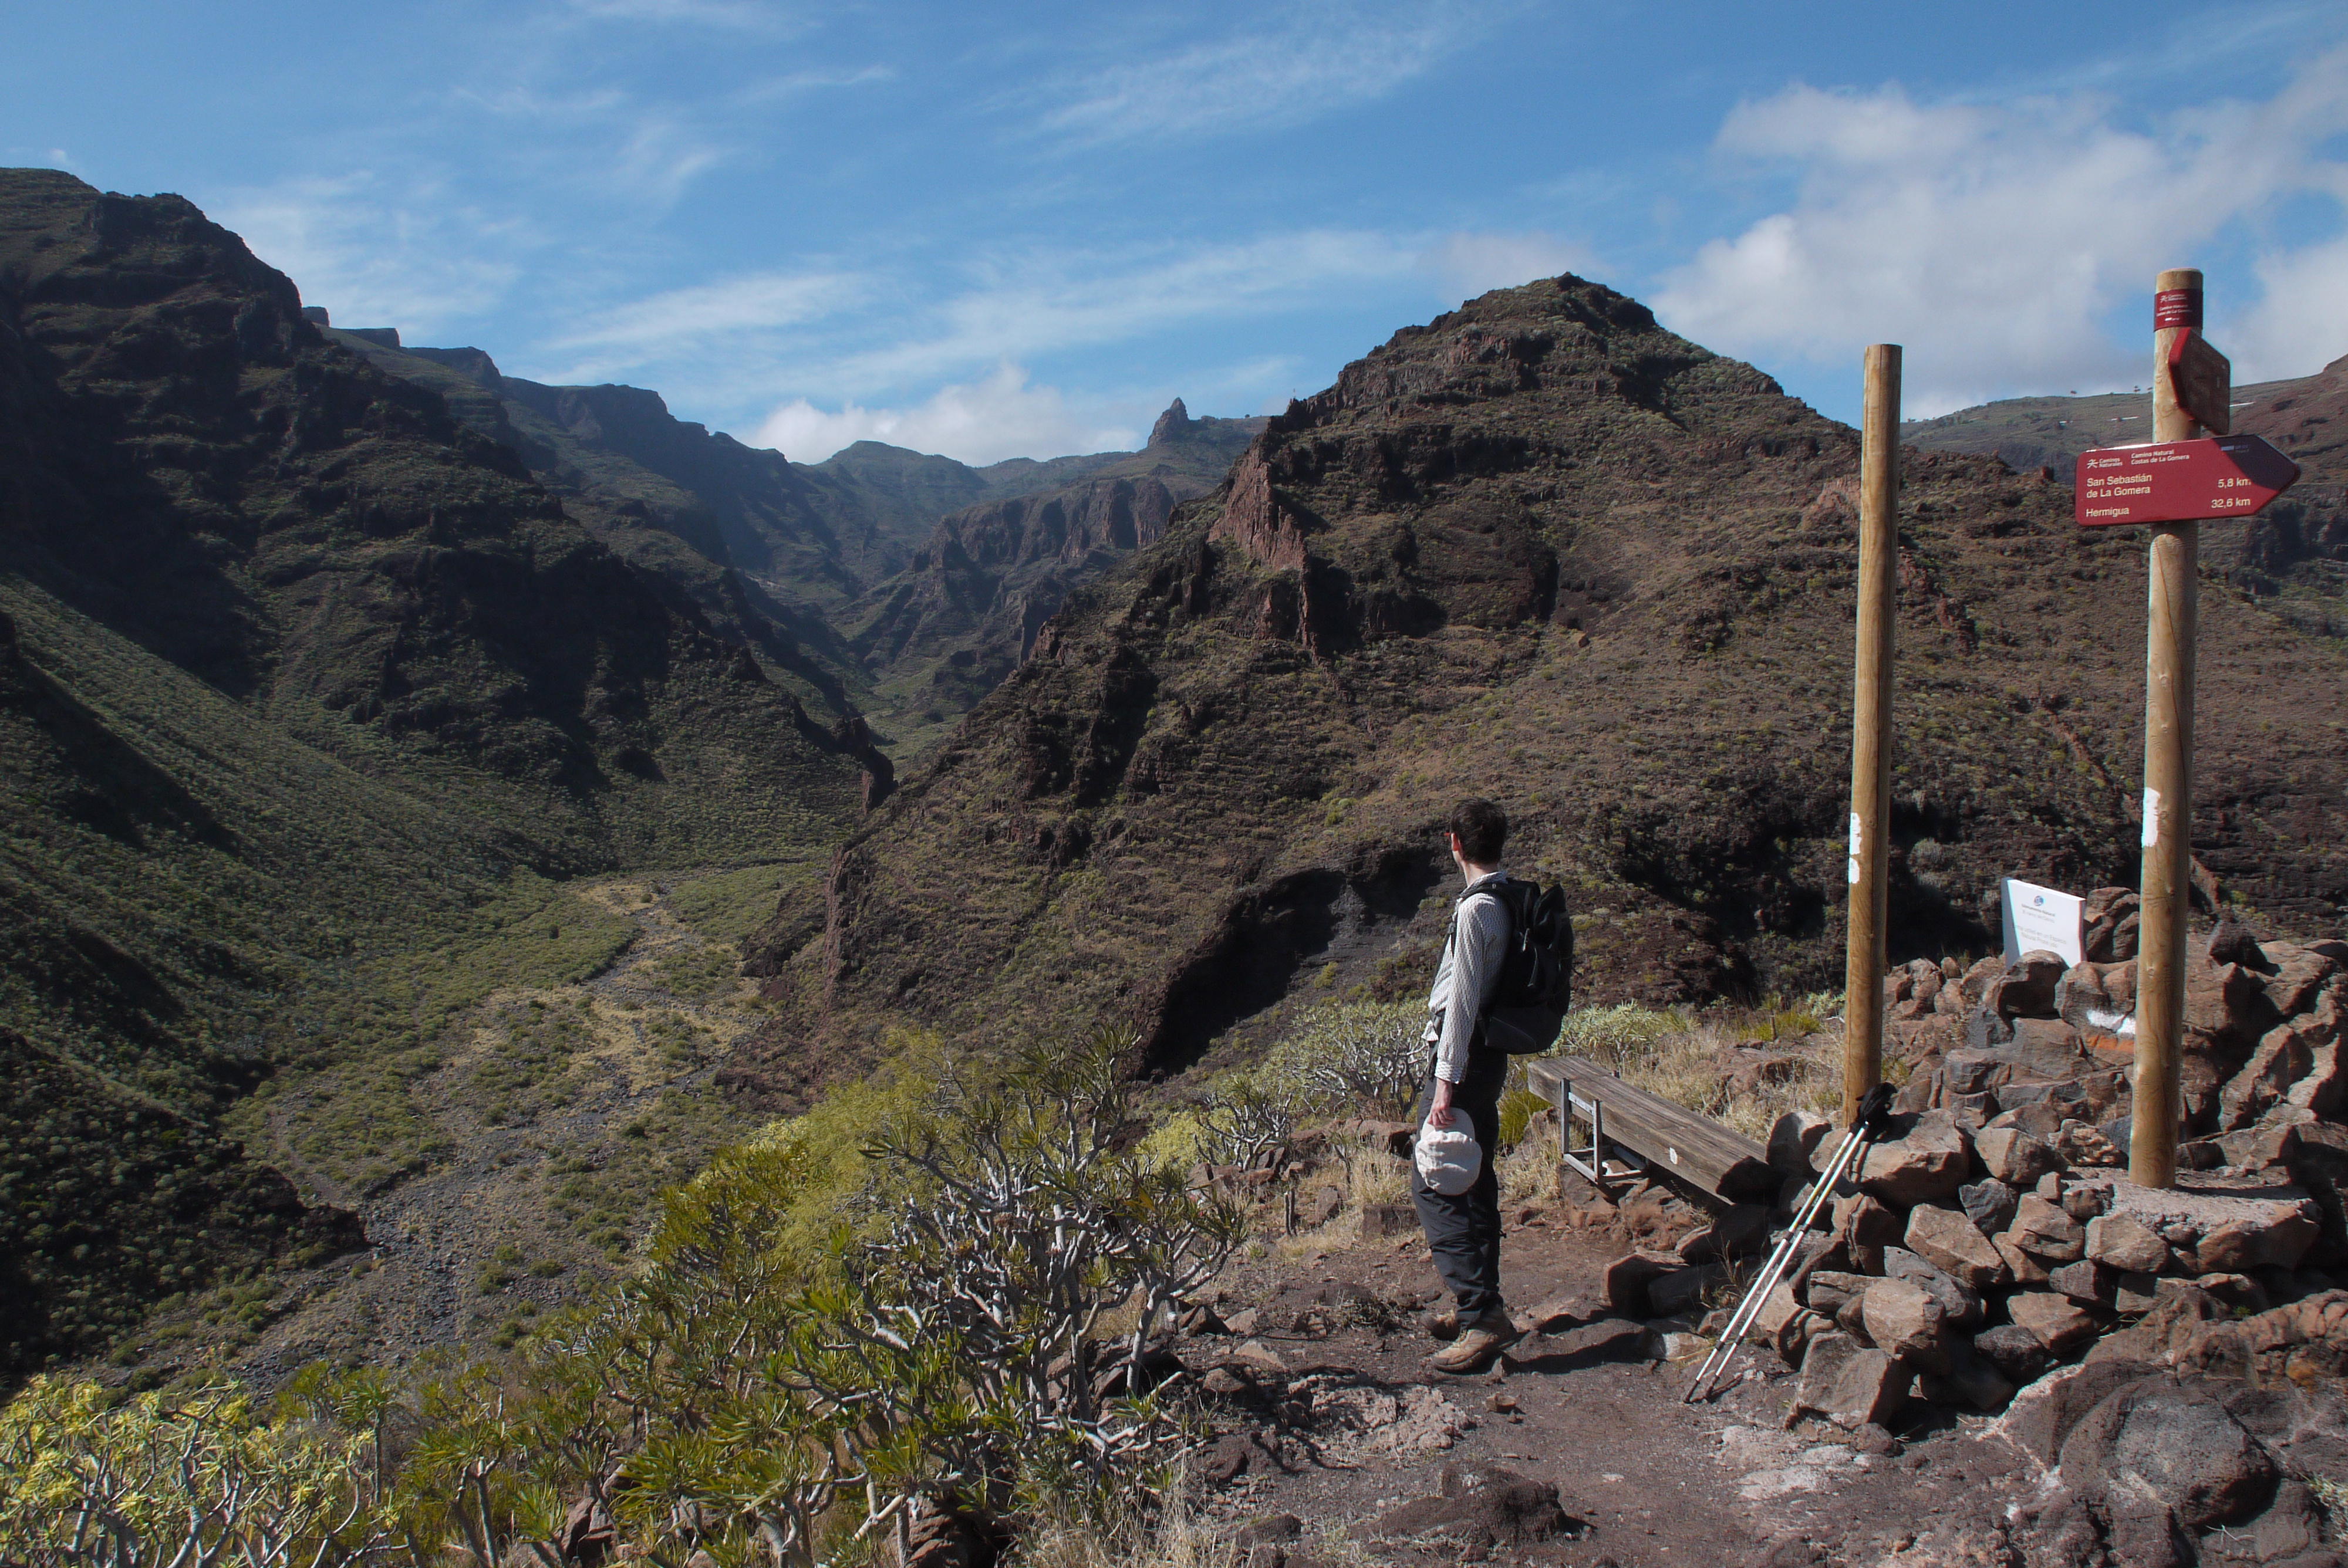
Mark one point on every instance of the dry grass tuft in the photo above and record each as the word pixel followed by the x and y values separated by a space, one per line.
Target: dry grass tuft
pixel 1681 1056
pixel 1180 1539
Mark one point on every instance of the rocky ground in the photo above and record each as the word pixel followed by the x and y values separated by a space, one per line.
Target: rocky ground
pixel 1333 1444
pixel 1348 1433
pixel 1999 1350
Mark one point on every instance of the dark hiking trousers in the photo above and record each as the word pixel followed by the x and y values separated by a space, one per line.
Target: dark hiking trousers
pixel 1464 1232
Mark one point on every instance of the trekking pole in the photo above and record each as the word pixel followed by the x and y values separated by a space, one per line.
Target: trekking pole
pixel 1869 1123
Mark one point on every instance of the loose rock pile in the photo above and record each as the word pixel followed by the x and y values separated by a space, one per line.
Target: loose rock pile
pixel 1994 1256
pixel 2262 1046
pixel 1997 1237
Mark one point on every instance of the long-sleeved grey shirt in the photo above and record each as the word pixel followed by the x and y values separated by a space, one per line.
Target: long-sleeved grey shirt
pixel 1470 966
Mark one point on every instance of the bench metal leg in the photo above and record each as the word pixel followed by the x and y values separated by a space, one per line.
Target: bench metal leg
pixel 1593 1168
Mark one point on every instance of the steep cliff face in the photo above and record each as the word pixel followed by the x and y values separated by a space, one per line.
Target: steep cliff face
pixel 942 634
pixel 816 535
pixel 879 581
pixel 294 664
pixel 1543 550
pixel 727 525
pixel 210 479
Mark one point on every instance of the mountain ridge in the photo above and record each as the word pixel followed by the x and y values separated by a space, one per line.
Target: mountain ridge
pixel 2292 556
pixel 2298 414
pixel 835 571
pixel 1621 564
pixel 298 670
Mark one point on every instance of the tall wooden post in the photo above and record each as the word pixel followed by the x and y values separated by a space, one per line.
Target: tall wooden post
pixel 1870 727
pixel 2173 604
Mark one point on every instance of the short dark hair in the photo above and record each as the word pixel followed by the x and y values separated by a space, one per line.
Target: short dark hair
pixel 1482 829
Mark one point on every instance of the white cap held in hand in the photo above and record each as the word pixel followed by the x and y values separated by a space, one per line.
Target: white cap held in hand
pixel 1449 1158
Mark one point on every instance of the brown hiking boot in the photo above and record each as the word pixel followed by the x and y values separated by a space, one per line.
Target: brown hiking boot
pixel 1480 1339
pixel 1443 1325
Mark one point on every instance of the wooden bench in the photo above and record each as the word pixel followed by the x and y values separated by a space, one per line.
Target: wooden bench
pixel 1695 1149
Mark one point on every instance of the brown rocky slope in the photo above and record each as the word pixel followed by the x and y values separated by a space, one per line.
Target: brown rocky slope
pixel 962 616
pixel 1542 549
pixel 2292 556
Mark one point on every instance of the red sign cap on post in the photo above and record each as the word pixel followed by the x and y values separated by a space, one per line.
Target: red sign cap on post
pixel 2177 308
pixel 2179 481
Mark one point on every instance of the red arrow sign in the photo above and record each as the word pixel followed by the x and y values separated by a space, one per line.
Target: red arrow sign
pixel 2203 379
pixel 2179 481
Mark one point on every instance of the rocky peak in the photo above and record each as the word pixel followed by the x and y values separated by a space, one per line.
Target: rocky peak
pixel 474 365
pixel 1172 426
pixel 1621 564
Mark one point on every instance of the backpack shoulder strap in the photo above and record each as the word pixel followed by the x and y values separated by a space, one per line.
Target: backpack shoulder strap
pixel 1498 891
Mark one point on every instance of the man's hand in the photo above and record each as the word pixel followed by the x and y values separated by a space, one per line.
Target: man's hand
pixel 1438 1115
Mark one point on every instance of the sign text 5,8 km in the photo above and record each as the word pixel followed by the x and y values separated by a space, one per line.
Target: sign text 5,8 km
pixel 2179 481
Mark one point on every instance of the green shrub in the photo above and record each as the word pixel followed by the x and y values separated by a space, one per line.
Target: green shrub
pixel 210 1474
pixel 1358 1056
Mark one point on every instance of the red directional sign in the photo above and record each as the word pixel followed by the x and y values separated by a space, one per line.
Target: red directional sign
pixel 2203 379
pixel 2179 481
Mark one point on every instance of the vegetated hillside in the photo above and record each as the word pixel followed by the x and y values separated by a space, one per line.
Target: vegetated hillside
pixel 1540 549
pixel 296 670
pixel 2290 557
pixel 840 573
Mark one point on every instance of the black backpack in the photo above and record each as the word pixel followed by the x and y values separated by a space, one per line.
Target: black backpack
pixel 1528 1003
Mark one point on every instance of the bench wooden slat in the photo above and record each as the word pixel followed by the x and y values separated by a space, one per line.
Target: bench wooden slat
pixel 1695 1148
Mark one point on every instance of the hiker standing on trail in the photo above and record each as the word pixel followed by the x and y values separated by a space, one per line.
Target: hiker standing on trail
pixel 1460 1208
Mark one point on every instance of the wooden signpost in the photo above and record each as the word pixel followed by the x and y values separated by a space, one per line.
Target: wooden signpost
pixel 2172 484
pixel 1870 728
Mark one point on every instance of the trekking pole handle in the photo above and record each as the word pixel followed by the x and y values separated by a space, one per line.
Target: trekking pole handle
pixel 1874 1112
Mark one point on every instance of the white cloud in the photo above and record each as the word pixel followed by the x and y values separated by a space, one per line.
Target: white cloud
pixel 605 140
pixel 1037 304
pixel 660 157
pixel 743 16
pixel 793 83
pixel 376 255
pixel 648 329
pixel 874 341
pixel 2301 321
pixel 999 417
pixel 1990 241
pixel 1317 58
pixel 1471 264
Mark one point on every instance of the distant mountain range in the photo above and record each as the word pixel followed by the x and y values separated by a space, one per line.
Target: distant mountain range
pixel 325 665
pixel 2292 556
pixel 316 653
pixel 2306 418
pixel 296 668
pixel 1542 549
pixel 879 582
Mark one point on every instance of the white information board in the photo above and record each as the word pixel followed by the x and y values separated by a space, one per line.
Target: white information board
pixel 2039 917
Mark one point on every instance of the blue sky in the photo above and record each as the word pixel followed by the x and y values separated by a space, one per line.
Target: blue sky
pixel 1021 230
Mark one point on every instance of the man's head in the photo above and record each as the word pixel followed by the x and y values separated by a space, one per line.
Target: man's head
pixel 1478 831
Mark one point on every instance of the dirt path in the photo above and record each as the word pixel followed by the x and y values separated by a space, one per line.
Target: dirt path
pixel 560 1111
pixel 1647 1479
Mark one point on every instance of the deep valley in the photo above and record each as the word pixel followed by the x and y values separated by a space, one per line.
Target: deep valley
pixel 444 809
